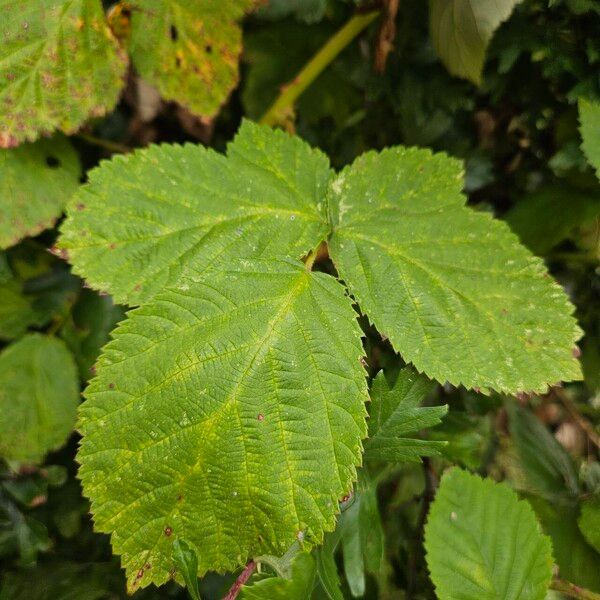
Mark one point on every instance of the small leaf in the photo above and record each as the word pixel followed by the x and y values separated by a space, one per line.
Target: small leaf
pixel 149 216
pixel 298 587
pixel 186 562
pixel 462 29
pixel 59 65
pixel 189 50
pixel 396 413
pixel 483 543
pixel 39 393
pixel 230 400
pixel 564 209
pixel 36 180
pixel 549 469
pixel 589 117
pixel 452 289
pixel 326 567
pixel 589 521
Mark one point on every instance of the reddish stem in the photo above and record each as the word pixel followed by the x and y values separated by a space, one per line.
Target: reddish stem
pixel 240 581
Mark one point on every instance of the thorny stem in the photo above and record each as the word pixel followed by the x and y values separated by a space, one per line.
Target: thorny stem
pixel 282 109
pixel 240 581
pixel 573 591
pixel 113 147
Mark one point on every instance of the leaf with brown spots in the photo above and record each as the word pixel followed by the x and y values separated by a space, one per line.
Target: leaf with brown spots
pixel 59 65
pixel 189 50
pixel 36 180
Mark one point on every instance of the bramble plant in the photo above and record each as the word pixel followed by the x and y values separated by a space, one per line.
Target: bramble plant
pixel 304 362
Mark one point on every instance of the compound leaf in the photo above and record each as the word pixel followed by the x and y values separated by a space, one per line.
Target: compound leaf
pixel 39 393
pixel 462 29
pixel 482 542
pixel 453 289
pixel 229 412
pixel 589 117
pixel 189 50
pixel 36 180
pixel 395 413
pixel 143 218
pixel 59 65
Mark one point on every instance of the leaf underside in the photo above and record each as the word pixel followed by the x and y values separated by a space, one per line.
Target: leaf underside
pixel 452 288
pixel 59 66
pixel 228 411
pixel 189 50
pixel 36 180
pixel 462 29
pixel 39 393
pixel 483 543
pixel 158 211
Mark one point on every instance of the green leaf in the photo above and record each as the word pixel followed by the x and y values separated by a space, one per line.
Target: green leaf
pixel 18 311
pixel 189 50
pixel 59 66
pixel 577 561
pixel 452 289
pixel 482 542
pixel 363 540
pixel 87 328
pixel 589 521
pixel 298 587
pixel 36 180
pixel 229 411
pixel 462 29
pixel 395 413
pixel 589 117
pixel 549 469
pixel 564 209
pixel 144 218
pixel 326 567
pixel 186 562
pixel 39 393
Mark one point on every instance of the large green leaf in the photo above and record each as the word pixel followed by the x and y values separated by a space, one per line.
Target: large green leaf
pixel 462 29
pixel 189 50
pixel 143 218
pixel 36 180
pixel 453 289
pixel 39 393
pixel 229 412
pixel 59 65
pixel 395 413
pixel 483 543
pixel 589 117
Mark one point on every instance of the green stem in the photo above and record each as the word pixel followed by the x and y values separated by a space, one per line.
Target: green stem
pixel 113 147
pixel 281 109
pixel 573 591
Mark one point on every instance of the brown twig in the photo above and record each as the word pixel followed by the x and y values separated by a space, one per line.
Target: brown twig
pixel 243 577
pixel 387 34
pixel 583 423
